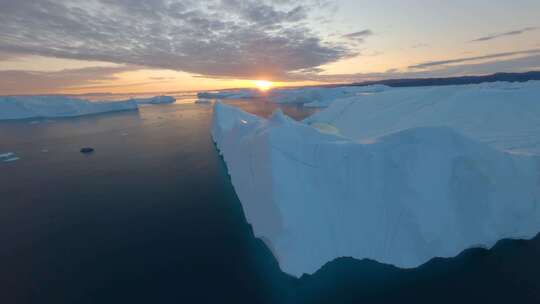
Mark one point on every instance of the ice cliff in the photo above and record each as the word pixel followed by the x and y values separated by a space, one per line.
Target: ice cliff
pixel 406 192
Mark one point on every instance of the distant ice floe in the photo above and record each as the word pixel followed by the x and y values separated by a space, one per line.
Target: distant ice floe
pixel 155 100
pixel 8 157
pixel 229 94
pixel 22 107
pixel 204 101
pixel 309 96
pixel 503 115
pixel 414 174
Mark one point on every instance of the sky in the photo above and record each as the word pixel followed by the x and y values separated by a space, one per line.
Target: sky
pixel 121 46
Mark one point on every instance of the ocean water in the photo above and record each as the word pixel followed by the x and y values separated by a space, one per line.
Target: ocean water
pixel 151 217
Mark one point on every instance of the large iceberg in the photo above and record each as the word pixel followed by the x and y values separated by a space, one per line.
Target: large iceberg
pixel 21 107
pixel 401 198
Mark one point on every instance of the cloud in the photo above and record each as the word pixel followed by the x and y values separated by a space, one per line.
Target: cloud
pixel 430 64
pixel 359 36
pixel 499 35
pixel 21 82
pixel 234 38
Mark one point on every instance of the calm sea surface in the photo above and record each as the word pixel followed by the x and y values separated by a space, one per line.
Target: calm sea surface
pixel 151 217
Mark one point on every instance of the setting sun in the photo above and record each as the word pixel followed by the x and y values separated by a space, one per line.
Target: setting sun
pixel 263 85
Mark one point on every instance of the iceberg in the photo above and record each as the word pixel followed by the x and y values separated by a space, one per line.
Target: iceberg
pixel 203 101
pixel 8 157
pixel 402 198
pixel 21 107
pixel 230 94
pixel 321 96
pixel 154 100
pixel 309 96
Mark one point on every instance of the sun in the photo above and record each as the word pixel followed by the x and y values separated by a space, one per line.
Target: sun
pixel 263 85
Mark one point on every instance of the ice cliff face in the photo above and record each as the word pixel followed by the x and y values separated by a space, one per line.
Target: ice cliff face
pixel 402 199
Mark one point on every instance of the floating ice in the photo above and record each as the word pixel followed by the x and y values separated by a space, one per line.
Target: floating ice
pixel 8 157
pixel 321 96
pixel 203 101
pixel 20 107
pixel 229 94
pixel 407 197
pixel 309 96
pixel 154 100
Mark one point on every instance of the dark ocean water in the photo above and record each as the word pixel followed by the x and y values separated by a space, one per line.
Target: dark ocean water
pixel 151 217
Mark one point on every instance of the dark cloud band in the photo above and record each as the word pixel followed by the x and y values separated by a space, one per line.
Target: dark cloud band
pixel 499 35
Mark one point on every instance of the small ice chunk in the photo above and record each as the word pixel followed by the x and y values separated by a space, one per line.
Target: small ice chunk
pixel 154 100
pixel 325 128
pixel 87 150
pixel 8 157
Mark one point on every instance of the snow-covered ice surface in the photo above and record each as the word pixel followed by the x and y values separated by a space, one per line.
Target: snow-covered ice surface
pixel 503 115
pixel 321 96
pixel 402 198
pixel 310 96
pixel 21 107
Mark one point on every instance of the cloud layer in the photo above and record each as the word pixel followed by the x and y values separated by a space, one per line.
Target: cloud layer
pixel 230 38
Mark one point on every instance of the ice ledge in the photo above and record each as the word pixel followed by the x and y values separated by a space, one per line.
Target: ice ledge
pixel 401 200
